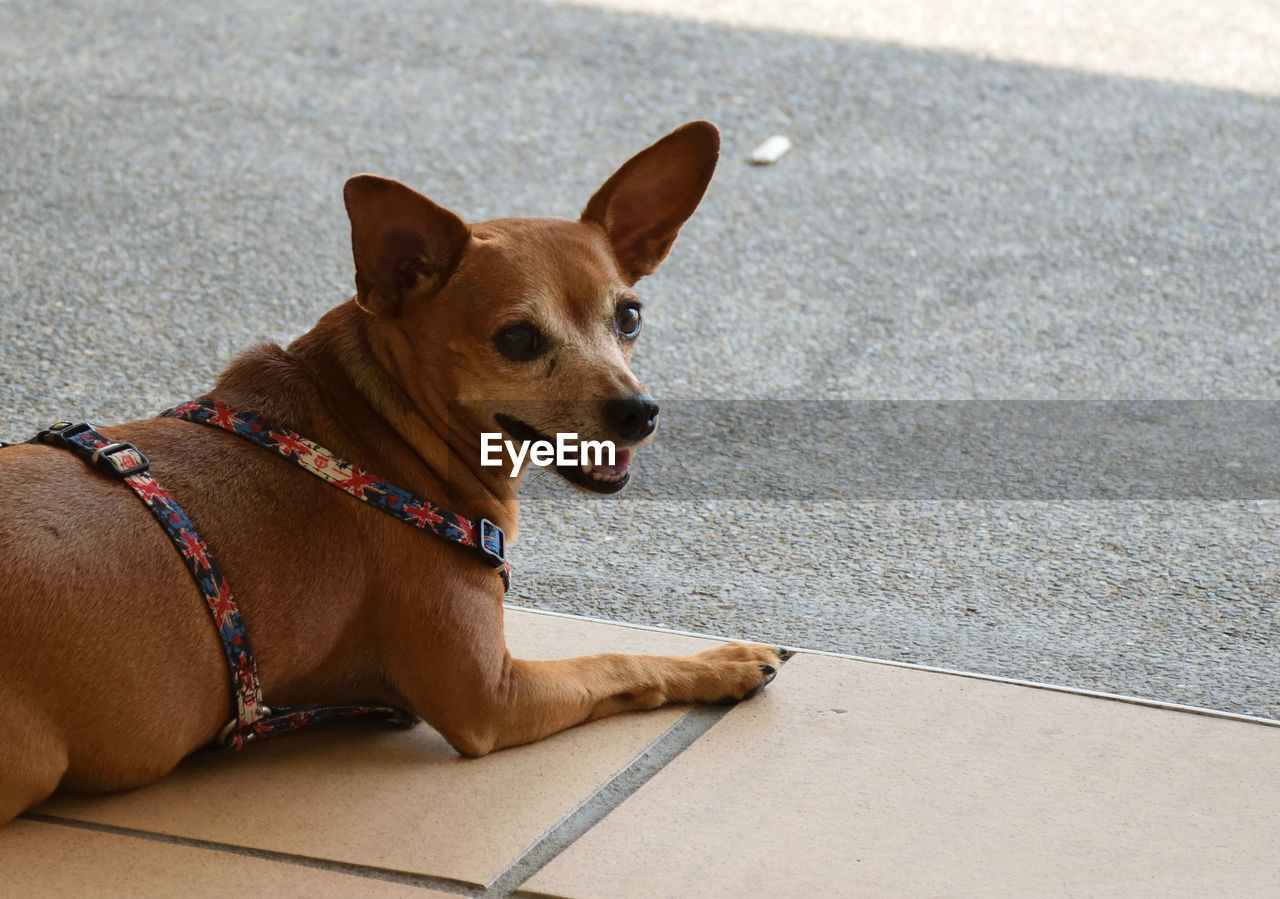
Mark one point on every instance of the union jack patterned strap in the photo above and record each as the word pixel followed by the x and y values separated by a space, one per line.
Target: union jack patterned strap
pixel 252 717
pixel 484 537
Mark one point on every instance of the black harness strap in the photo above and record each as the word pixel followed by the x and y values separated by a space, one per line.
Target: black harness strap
pixel 252 718
pixel 123 461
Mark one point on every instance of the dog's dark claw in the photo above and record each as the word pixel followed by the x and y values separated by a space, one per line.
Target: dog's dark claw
pixel 768 670
pixel 784 653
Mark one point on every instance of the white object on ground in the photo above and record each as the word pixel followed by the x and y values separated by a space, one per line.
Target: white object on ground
pixel 771 150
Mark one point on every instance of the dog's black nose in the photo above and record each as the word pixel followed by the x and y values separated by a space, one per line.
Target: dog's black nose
pixel 632 417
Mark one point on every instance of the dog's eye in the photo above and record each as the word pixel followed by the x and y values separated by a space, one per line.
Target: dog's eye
pixel 628 321
pixel 520 342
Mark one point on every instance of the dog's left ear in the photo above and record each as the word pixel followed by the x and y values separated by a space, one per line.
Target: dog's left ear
pixel 405 246
pixel 643 205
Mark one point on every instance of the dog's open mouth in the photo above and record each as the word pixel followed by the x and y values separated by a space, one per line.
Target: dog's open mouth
pixel 602 478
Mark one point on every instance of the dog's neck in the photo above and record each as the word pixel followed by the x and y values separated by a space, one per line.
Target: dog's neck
pixel 333 387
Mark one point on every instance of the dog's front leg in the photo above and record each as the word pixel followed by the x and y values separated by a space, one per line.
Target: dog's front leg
pixel 533 699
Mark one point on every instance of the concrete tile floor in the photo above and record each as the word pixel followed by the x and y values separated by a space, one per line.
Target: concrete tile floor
pixel 846 777
pixel 43 859
pixel 856 779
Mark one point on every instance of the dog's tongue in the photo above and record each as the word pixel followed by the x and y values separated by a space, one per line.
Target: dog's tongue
pixel 609 474
pixel 621 459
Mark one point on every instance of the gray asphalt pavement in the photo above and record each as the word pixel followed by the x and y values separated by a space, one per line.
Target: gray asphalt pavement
pixel 954 222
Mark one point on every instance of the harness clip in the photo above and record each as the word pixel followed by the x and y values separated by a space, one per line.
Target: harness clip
pixel 120 459
pixel 493 543
pixel 61 432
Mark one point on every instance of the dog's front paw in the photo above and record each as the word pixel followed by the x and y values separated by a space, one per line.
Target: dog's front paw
pixel 738 671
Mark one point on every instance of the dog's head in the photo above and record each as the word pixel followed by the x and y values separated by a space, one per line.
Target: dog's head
pixel 528 324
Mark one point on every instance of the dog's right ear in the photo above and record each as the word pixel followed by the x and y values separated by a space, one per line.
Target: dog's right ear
pixel 405 246
pixel 642 207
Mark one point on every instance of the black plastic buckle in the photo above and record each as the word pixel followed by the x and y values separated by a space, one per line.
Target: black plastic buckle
pixel 105 459
pixel 498 558
pixel 62 432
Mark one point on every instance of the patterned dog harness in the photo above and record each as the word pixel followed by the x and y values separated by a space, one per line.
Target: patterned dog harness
pixel 483 536
pixel 253 719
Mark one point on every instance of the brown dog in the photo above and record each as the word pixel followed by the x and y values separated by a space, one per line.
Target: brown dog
pixel 110 669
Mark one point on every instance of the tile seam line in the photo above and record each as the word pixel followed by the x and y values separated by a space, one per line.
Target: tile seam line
pixel 367 872
pixel 1237 717
pixel 608 796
